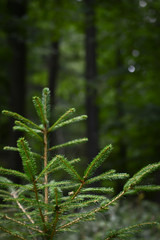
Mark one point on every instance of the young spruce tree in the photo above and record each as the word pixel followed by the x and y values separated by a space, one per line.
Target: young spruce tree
pixel 42 207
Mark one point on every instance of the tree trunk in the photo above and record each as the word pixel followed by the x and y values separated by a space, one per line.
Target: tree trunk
pixel 120 113
pixel 53 74
pixel 91 78
pixel 17 41
pixel 53 69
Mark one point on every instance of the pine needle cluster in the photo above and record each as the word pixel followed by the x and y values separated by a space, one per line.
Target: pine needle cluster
pixel 43 207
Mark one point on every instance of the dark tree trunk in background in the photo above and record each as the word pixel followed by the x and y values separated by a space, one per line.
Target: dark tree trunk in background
pixel 53 74
pixel 53 69
pixel 17 74
pixel 91 78
pixel 120 113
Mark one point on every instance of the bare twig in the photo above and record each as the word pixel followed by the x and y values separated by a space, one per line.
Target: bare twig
pixel 14 194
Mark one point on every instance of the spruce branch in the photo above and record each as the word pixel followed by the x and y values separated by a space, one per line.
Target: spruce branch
pixel 55 224
pixel 144 188
pixel 69 168
pixel 21 118
pixel 147 188
pixel 28 160
pixel 23 224
pixel 30 169
pixel 39 208
pixel 72 120
pixel 14 234
pixel 39 108
pixel 29 130
pixel 46 103
pixel 94 211
pixel 98 189
pixel 131 229
pixel 6 183
pixel 10 148
pixel 5 171
pixel 109 175
pixel 66 114
pixel 48 169
pixel 61 166
pixel 13 193
pixel 97 161
pixel 138 177
pixel 79 189
pixel 57 213
pixel 73 142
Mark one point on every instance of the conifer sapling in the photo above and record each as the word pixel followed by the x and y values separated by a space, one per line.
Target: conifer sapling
pixel 43 206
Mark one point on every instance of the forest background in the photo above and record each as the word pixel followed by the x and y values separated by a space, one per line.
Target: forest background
pixel 100 57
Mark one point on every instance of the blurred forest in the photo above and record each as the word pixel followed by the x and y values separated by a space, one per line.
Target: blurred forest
pixel 99 56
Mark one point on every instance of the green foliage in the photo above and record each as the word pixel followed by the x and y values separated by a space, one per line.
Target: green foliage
pixel 63 123
pixel 97 161
pixel 28 160
pixel 126 233
pixel 73 142
pixel 44 206
pixel 138 177
pixel 4 171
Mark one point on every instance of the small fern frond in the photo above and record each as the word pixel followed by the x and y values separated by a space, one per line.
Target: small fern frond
pixel 73 142
pixel 97 161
